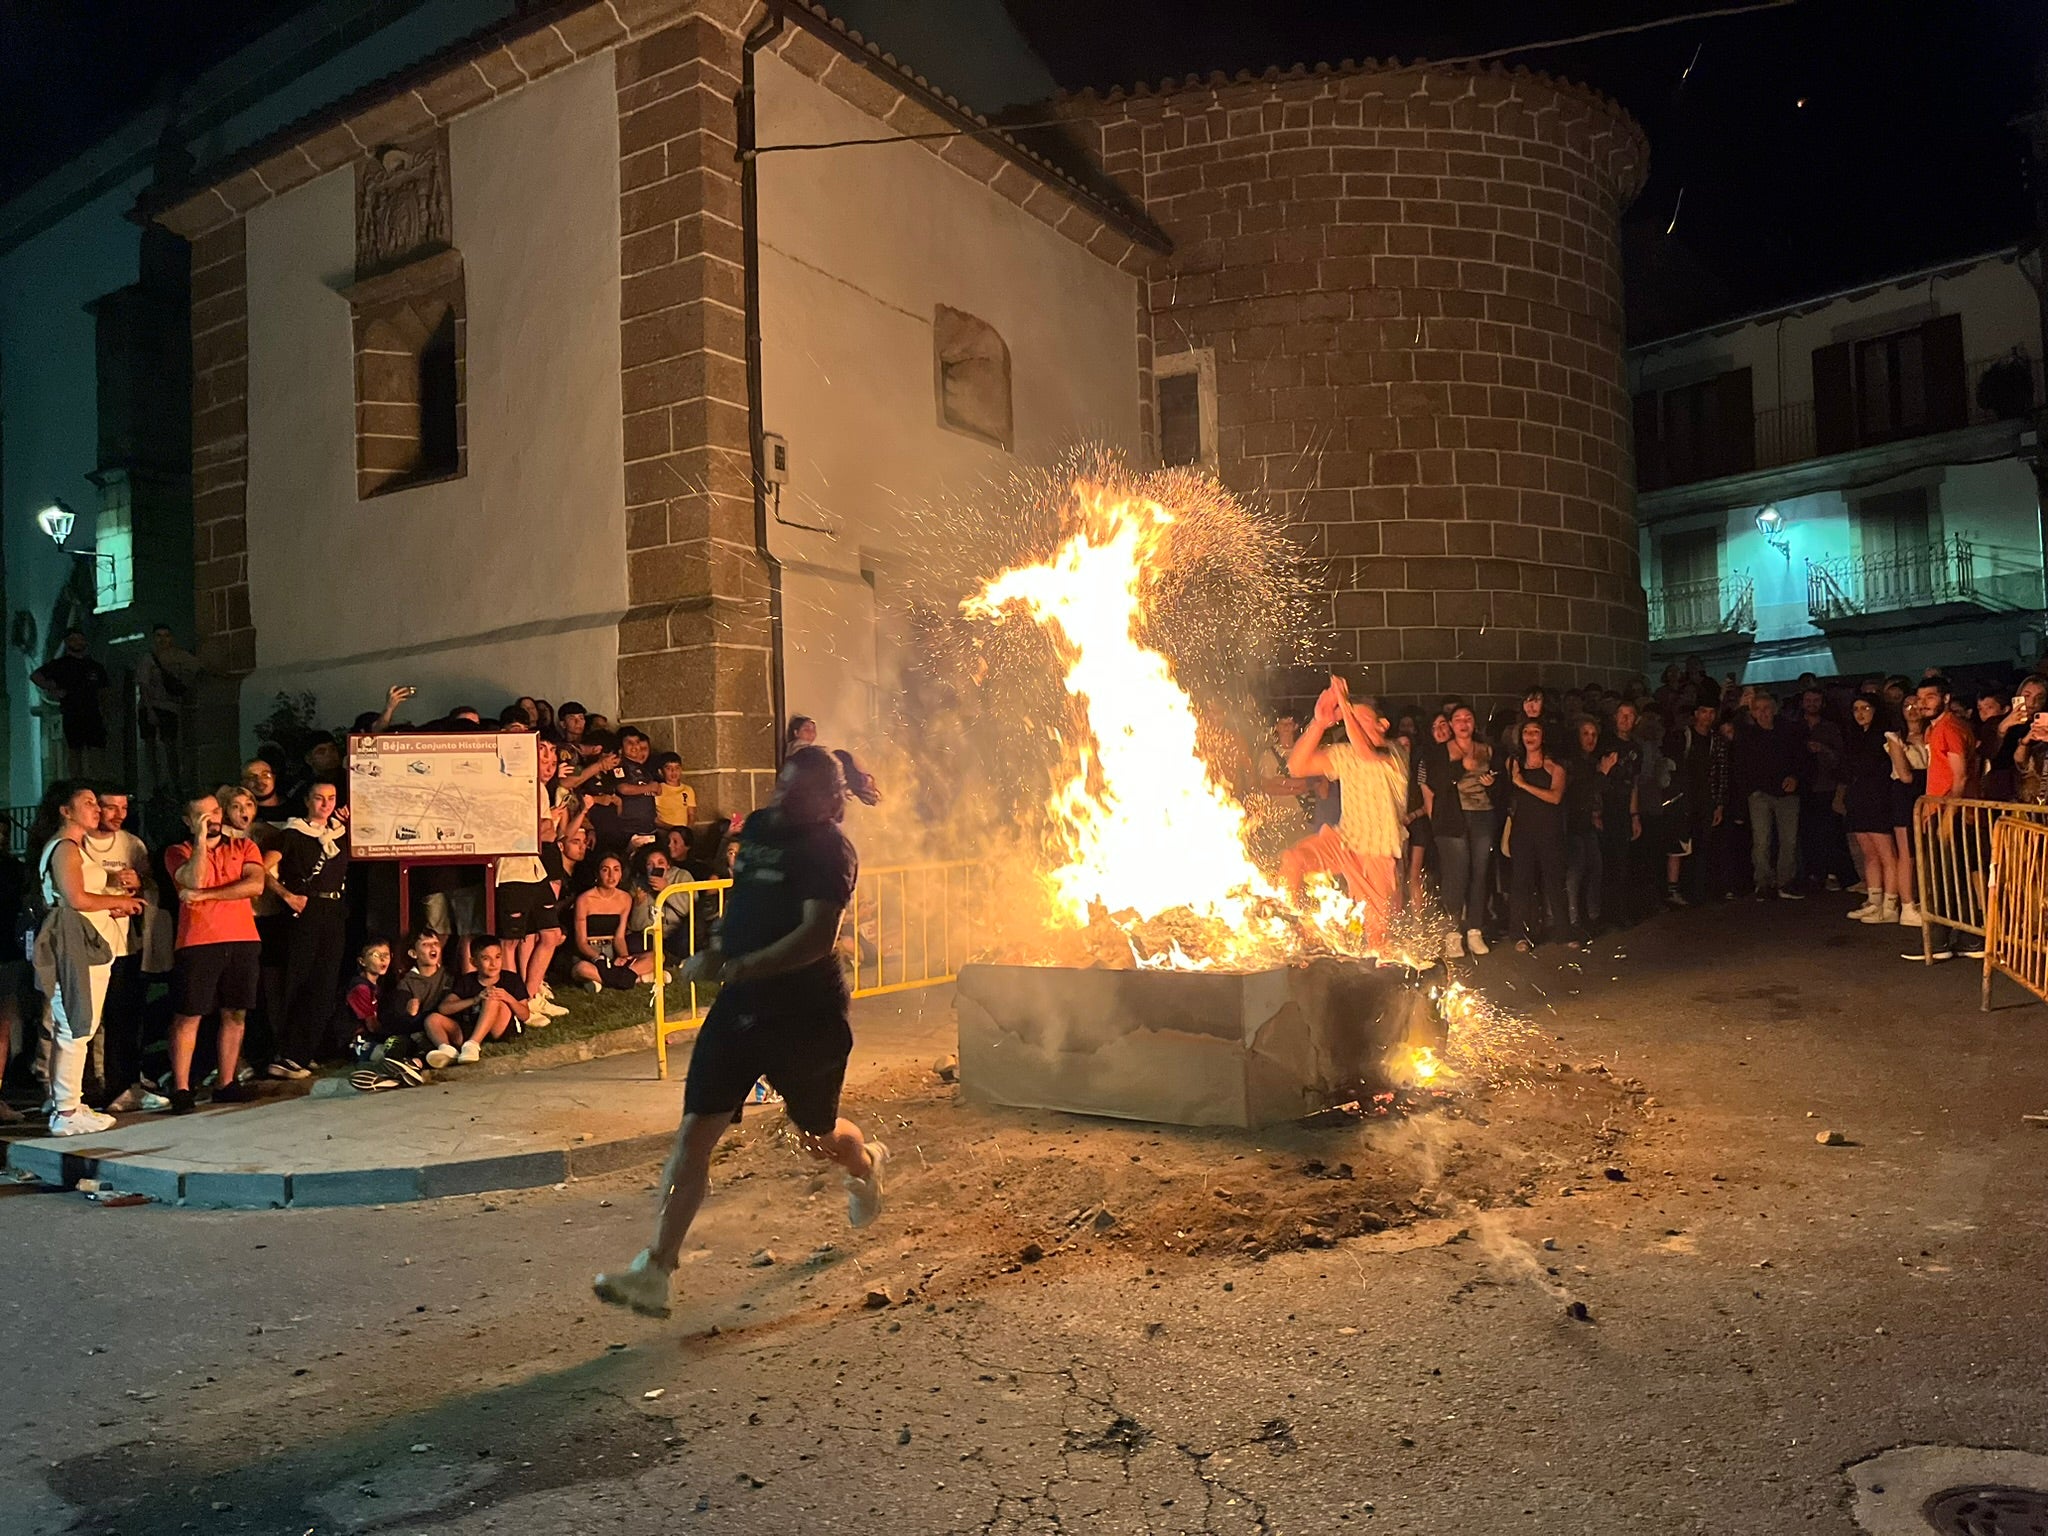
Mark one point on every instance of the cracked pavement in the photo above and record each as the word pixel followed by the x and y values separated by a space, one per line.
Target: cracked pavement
pixel 1761 1310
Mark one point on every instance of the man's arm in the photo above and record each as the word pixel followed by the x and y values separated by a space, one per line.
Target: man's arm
pixel 42 680
pixel 806 944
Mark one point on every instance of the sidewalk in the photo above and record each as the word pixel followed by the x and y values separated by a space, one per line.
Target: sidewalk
pixel 517 1130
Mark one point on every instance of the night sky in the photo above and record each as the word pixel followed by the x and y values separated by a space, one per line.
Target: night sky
pixel 1899 155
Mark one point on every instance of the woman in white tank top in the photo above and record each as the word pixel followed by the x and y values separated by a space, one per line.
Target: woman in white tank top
pixel 78 884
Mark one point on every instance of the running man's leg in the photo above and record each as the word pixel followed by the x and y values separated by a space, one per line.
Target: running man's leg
pixel 684 1182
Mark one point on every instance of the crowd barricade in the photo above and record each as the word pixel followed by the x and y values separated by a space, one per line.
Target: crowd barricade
pixel 1952 860
pixel 2016 906
pixel 910 925
pixel 704 904
pixel 914 925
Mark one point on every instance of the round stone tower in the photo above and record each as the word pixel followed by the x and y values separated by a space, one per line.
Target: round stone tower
pixel 1405 283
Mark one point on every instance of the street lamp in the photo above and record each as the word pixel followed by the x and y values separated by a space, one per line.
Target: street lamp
pixel 57 520
pixel 1770 522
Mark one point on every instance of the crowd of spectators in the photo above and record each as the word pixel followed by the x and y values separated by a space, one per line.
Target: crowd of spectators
pixel 247 942
pixel 1584 809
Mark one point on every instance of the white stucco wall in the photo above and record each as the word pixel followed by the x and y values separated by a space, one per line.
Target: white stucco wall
pixel 509 580
pixel 857 247
pixel 1992 296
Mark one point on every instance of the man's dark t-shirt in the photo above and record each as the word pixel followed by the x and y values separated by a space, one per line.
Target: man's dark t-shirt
pixel 83 680
pixel 781 865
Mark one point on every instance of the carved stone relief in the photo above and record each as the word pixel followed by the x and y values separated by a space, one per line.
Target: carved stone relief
pixel 402 208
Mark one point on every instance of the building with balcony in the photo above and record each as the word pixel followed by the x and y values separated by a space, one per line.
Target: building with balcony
pixel 1846 485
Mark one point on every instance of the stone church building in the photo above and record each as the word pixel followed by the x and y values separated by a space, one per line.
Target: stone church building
pixel 522 371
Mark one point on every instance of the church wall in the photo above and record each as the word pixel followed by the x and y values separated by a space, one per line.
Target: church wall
pixel 858 248
pixel 511 578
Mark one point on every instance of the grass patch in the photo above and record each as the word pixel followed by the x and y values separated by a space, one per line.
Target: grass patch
pixel 599 1013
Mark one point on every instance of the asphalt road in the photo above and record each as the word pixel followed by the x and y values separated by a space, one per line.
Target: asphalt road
pixel 1761 1311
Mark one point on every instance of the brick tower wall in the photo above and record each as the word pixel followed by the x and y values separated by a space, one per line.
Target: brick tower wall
pixel 1411 280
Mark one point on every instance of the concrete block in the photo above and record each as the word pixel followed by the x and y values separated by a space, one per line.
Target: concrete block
pixel 238 1191
pixel 163 1184
pixel 520 1170
pixel 356 1186
pixel 1185 1048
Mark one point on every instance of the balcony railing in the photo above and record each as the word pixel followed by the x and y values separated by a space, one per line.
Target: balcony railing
pixel 1718 605
pixel 2007 387
pixel 1926 576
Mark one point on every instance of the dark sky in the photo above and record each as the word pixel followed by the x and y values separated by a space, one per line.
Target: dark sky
pixel 1899 156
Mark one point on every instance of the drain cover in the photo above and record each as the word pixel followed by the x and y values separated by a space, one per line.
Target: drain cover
pixel 1982 1510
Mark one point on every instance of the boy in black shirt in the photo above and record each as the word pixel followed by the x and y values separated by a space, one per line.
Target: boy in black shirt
pixel 781 1013
pixel 487 1001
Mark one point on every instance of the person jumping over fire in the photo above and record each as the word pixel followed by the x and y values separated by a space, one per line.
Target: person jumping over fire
pixel 1371 770
pixel 781 1013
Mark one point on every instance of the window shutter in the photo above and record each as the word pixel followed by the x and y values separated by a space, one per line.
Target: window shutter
pixel 1941 364
pixel 1735 423
pixel 1834 400
pixel 1649 447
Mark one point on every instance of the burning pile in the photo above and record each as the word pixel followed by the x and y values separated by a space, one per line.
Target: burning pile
pixel 1144 860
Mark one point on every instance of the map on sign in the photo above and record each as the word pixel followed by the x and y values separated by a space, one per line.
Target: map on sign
pixel 423 797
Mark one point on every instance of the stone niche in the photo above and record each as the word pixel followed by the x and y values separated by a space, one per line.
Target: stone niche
pixel 1186 1048
pixel 409 322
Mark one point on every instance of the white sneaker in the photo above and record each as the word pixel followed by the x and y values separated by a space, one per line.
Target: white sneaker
pixel 864 1196
pixel 1936 958
pixel 1864 913
pixel 535 1019
pixel 470 1052
pixel 80 1122
pixel 440 1056
pixel 1886 911
pixel 1909 915
pixel 1454 947
pixel 642 1285
pixel 1475 941
pixel 546 1004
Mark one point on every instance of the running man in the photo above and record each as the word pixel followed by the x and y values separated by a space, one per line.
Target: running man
pixel 781 1013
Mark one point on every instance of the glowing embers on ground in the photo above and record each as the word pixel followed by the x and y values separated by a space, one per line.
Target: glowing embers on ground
pixel 1147 842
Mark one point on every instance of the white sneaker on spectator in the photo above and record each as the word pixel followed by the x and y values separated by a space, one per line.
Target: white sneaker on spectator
pixel 1870 908
pixel 864 1196
pixel 80 1122
pixel 1973 954
pixel 1909 915
pixel 1475 941
pixel 1886 911
pixel 642 1285
pixel 470 1052
pixel 440 1056
pixel 546 1004
pixel 137 1099
pixel 1937 957
pixel 1454 947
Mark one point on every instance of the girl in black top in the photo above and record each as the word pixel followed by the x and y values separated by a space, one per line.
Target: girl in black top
pixel 1537 842
pixel 312 872
pixel 1867 796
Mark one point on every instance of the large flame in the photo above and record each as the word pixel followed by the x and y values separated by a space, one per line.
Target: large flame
pixel 1147 827
pixel 1143 826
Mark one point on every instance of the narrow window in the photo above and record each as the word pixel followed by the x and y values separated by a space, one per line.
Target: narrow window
pixel 972 366
pixel 1186 386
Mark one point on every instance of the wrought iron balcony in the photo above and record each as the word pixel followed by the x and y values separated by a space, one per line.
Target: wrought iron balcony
pixel 1718 605
pixel 1934 575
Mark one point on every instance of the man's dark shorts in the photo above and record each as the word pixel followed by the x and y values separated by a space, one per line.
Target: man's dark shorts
pixel 206 978
pixel 799 1043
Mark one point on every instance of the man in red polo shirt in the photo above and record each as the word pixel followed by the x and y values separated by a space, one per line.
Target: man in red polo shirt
pixel 218 966
pixel 1950 762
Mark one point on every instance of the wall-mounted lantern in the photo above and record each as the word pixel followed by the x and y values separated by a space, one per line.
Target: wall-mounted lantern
pixel 1770 522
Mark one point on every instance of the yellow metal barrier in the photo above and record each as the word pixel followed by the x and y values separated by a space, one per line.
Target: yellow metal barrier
pixel 2016 907
pixel 1952 860
pixel 913 925
pixel 689 891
